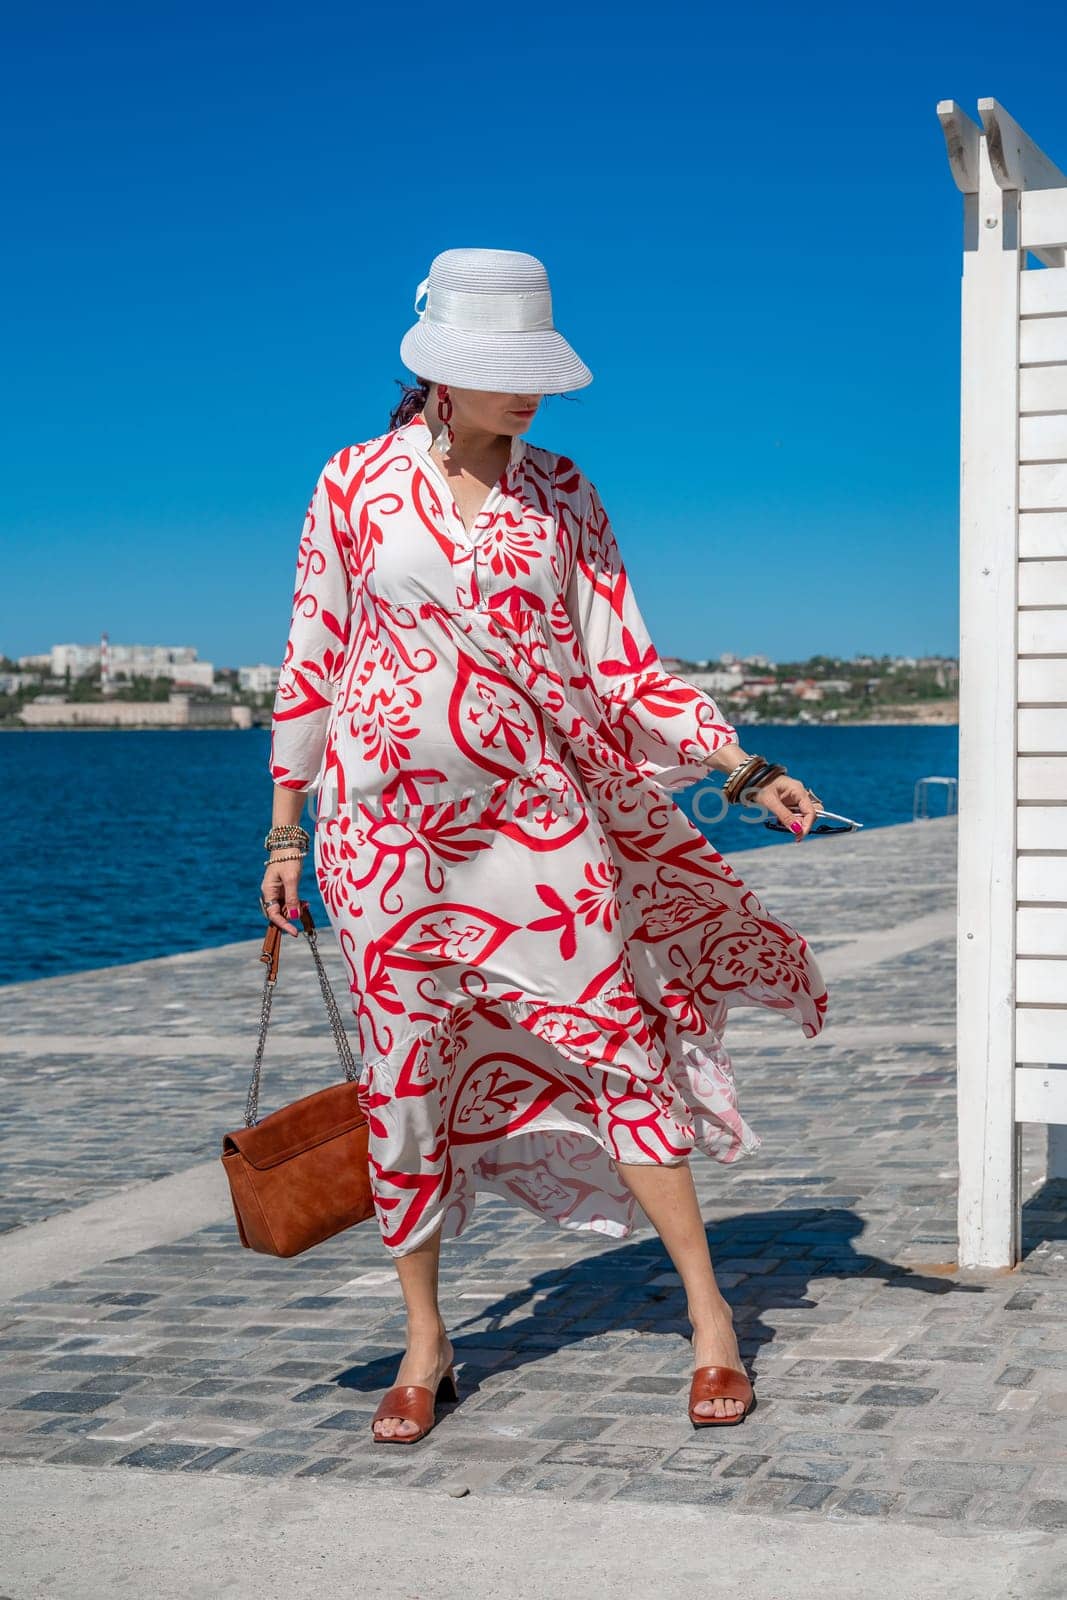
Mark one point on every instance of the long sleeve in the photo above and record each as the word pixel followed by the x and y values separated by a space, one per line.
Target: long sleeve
pixel 661 721
pixel 315 651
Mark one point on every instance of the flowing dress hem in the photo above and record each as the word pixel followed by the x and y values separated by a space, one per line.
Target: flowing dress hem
pixel 696 1084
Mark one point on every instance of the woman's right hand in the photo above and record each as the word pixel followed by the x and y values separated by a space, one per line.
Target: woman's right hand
pixel 281 885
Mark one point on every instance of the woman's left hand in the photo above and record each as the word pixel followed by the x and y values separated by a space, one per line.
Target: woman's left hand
pixel 788 800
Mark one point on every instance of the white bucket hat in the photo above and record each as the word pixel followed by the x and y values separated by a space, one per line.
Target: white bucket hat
pixel 487 324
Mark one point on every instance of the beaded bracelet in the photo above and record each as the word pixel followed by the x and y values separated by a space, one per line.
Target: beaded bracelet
pixel 272 861
pixel 286 833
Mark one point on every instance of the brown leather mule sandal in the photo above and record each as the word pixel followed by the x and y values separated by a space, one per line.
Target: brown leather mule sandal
pixel 413 1403
pixel 720 1383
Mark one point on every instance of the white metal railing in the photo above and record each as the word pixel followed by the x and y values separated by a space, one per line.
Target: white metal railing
pixel 921 798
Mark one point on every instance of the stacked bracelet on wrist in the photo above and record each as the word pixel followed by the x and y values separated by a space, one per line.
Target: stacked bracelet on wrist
pixel 749 776
pixel 287 836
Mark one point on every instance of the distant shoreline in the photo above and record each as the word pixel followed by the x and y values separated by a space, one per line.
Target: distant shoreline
pixel 897 721
pixel 140 727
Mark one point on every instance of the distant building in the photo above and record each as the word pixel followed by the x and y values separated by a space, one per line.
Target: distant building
pixel 802 688
pixel 755 688
pixel 77 659
pixel 260 679
pixel 128 661
pixel 178 711
pixel 716 682
pixel 946 671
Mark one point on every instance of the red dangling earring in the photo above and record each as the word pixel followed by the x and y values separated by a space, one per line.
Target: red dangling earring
pixel 446 438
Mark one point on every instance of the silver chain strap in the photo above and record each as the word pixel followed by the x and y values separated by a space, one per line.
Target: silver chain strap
pixel 340 1038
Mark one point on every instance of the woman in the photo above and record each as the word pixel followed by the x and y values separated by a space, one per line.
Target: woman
pixel 541 947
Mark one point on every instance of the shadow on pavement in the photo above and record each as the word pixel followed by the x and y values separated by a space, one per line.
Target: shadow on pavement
pixel 617 1290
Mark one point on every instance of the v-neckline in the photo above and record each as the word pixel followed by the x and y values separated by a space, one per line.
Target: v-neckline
pixel 421 438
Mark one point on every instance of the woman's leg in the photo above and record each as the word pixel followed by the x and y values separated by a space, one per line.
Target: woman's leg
pixel 668 1198
pixel 428 1350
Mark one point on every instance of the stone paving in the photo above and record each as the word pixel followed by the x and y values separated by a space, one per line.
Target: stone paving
pixel 890 1385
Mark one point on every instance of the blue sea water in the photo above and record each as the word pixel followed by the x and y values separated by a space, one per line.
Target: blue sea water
pixel 148 842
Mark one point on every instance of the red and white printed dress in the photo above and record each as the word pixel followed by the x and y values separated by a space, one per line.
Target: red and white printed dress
pixel 542 948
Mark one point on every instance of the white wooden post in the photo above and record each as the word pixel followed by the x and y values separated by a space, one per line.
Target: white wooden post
pixel 1012 858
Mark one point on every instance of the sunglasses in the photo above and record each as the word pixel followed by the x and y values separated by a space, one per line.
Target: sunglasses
pixel 835 824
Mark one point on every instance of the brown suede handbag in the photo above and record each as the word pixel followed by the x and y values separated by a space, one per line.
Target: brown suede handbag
pixel 302 1173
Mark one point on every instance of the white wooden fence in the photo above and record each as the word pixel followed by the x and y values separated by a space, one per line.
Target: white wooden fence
pixel 1012 862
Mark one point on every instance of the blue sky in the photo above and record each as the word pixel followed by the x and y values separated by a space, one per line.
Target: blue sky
pixel 217 221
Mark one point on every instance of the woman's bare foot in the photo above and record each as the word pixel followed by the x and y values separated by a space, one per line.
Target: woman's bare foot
pixel 715 1345
pixel 426 1360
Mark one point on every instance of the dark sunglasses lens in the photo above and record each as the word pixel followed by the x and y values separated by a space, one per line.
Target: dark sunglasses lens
pixel 819 827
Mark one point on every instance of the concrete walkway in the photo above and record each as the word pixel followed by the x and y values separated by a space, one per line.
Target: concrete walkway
pixel 72 1536
pixel 907 1412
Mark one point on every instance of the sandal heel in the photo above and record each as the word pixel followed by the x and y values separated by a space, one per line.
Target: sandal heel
pixel 448 1389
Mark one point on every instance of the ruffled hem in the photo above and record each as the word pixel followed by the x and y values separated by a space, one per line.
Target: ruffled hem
pixel 537 1101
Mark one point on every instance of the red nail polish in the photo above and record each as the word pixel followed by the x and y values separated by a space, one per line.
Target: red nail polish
pixel 797 827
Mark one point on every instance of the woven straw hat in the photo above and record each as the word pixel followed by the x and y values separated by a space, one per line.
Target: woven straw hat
pixel 487 324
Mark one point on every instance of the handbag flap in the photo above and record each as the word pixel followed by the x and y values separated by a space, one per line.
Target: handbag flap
pixel 298 1126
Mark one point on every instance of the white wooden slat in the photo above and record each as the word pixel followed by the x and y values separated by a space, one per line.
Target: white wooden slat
pixel 1043 583
pixel 1043 730
pixel 1042 777
pixel 1043 488
pixel 1043 218
pixel 1043 681
pixel 1043 339
pixel 1041 931
pixel 1041 1034
pixel 1043 533
pixel 1042 633
pixel 1042 879
pixel 1043 389
pixel 1041 828
pixel 1041 1094
pixel 1042 294
pixel 1041 983
pixel 1043 438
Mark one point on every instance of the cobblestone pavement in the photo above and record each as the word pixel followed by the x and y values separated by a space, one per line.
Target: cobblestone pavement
pixel 889 1385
